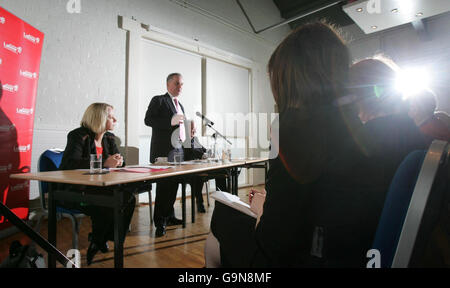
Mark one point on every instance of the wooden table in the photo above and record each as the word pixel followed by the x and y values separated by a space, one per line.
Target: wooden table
pixel 248 163
pixel 115 180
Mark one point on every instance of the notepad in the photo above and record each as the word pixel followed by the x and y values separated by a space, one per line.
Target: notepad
pixel 141 169
pixel 193 162
pixel 233 201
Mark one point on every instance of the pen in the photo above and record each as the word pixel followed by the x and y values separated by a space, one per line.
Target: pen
pixel 250 196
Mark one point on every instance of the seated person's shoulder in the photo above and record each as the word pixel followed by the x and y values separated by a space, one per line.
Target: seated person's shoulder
pixel 109 135
pixel 111 138
pixel 79 132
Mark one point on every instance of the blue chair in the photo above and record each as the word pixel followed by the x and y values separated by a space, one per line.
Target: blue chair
pixel 50 160
pixel 396 205
pixel 427 213
pixel 414 201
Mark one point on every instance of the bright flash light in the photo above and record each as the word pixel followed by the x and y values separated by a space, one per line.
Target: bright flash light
pixel 412 81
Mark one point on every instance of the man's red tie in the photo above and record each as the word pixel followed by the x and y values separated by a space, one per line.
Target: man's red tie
pixel 182 132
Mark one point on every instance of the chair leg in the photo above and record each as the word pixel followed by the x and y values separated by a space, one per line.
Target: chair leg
pixel 207 192
pixel 75 230
pixel 78 231
pixel 150 207
pixel 37 228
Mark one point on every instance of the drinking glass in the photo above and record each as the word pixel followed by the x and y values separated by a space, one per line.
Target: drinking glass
pixel 229 154
pixel 226 155
pixel 218 154
pixel 210 154
pixel 95 164
pixel 178 158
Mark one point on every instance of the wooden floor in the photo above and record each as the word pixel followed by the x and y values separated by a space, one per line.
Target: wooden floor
pixel 179 248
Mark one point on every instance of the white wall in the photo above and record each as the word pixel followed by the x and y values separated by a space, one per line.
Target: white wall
pixel 404 46
pixel 84 55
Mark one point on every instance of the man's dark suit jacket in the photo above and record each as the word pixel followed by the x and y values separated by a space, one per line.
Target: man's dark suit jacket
pixel 159 115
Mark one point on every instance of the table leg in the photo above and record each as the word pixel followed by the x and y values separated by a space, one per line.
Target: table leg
pixel 193 200
pixel 229 180
pixel 51 225
pixel 235 181
pixel 265 172
pixel 183 203
pixel 118 228
pixel 232 181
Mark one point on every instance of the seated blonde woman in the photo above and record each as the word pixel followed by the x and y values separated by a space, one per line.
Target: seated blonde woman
pixel 93 137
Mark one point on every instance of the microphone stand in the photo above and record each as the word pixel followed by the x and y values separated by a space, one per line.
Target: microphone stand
pixel 217 133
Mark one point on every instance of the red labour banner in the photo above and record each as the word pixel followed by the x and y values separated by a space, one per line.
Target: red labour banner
pixel 20 58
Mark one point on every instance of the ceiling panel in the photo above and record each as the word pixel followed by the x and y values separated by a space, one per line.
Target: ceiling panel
pixel 334 14
pixel 373 16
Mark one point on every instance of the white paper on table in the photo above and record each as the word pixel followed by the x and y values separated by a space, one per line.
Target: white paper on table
pixel 150 166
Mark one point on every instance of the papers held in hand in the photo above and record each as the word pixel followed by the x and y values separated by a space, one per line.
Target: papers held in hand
pixel 233 201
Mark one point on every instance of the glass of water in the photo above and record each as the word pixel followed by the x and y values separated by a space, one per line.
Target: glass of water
pixel 218 154
pixel 178 158
pixel 96 164
pixel 210 154
pixel 226 155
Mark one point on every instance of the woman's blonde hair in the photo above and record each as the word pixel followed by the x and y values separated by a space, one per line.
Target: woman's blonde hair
pixel 95 117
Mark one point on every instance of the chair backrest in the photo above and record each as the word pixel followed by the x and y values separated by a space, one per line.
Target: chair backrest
pixel 444 117
pixel 429 202
pixel 396 206
pixel 50 160
pixel 412 207
pixel 131 153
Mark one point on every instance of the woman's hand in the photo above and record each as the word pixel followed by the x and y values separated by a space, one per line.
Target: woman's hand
pixel 120 158
pixel 113 161
pixel 257 199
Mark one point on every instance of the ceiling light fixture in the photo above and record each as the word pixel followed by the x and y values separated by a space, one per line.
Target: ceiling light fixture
pixel 374 27
pixel 419 14
pixel 395 10
pixel 359 10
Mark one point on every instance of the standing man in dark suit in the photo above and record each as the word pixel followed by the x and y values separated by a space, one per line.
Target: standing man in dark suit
pixel 165 115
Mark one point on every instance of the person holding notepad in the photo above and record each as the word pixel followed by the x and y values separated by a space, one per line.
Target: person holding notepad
pixel 319 207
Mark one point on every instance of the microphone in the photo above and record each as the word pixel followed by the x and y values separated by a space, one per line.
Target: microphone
pixel 204 118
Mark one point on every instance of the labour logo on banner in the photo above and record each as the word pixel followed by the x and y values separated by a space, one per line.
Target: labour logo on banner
pixel 12 48
pixel 10 88
pixel 31 38
pixel 19 186
pixel 7 128
pixel 28 74
pixel 24 111
pixel 6 168
pixel 22 149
